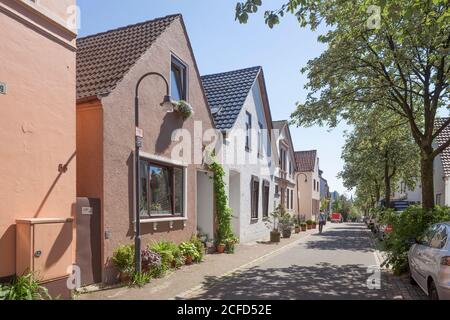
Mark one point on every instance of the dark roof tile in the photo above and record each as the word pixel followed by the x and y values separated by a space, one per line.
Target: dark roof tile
pixel 442 138
pixel 103 59
pixel 306 160
pixel 227 92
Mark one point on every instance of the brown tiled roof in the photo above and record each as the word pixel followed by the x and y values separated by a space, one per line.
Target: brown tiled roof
pixel 441 139
pixel 306 160
pixel 103 59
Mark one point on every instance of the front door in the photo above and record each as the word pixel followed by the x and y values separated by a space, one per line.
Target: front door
pixel 88 252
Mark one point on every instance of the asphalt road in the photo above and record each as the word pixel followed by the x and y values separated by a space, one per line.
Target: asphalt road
pixel 334 265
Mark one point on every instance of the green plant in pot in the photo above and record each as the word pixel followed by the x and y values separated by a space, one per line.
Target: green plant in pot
pixel 220 247
pixel 314 225
pixel 274 220
pixel 189 251
pixel 184 108
pixel 286 225
pixel 309 224
pixel 303 226
pixel 123 260
pixel 297 228
pixel 230 245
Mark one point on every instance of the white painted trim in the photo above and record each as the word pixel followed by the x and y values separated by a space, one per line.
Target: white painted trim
pixel 154 157
pixel 156 220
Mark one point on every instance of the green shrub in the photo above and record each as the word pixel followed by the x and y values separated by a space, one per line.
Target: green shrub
pixel 170 253
pixel 309 222
pixel 140 279
pixel 188 249
pixel 200 248
pixel 123 258
pixel 407 225
pixel 24 288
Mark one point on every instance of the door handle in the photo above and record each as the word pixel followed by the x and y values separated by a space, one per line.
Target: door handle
pixel 38 254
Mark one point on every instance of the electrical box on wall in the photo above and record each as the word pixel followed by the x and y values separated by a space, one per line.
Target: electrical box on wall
pixel 44 247
pixel 2 88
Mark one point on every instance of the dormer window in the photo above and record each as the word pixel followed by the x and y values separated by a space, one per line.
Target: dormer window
pixel 178 80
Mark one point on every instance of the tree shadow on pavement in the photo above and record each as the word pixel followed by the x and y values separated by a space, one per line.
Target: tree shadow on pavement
pixel 323 282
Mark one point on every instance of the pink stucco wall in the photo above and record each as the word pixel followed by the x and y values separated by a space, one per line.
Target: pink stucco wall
pixel 37 125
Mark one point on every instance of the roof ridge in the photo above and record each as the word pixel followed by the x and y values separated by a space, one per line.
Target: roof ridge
pixel 129 26
pixel 231 71
pixel 305 151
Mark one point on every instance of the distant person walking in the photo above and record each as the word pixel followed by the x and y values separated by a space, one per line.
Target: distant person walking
pixel 322 221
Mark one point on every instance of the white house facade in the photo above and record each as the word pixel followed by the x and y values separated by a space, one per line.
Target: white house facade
pixel 308 189
pixel 238 101
pixel 442 168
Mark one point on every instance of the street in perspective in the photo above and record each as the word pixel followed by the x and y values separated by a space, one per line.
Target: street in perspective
pixel 232 150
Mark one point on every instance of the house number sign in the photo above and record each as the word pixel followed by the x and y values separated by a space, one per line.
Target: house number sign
pixel 2 88
pixel 87 211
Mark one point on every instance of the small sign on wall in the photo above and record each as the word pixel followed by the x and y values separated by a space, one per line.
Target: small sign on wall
pixel 87 211
pixel 2 88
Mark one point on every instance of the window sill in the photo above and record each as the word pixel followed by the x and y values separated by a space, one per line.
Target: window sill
pixel 170 219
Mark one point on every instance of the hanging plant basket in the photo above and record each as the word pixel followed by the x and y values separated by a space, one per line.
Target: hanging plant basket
pixel 184 109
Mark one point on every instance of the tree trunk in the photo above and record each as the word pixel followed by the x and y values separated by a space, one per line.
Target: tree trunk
pixel 387 183
pixel 427 181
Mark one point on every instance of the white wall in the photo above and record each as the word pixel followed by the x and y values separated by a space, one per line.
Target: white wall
pixel 205 204
pixel 439 181
pixel 263 168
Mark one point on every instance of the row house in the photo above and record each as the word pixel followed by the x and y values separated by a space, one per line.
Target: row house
pixel 175 194
pixel 308 189
pixel 442 167
pixel 37 134
pixel 286 173
pixel 240 107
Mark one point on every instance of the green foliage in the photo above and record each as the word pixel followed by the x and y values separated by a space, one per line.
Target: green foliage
pixel 392 56
pixel 188 249
pixel 407 225
pixel 123 258
pixel 140 279
pixel 184 108
pixel 24 288
pixel 170 254
pixel 200 248
pixel 224 212
pixel 275 217
pixel 230 245
pixel 309 222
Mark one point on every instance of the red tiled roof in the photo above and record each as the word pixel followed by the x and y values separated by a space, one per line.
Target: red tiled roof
pixel 306 160
pixel 441 139
pixel 103 59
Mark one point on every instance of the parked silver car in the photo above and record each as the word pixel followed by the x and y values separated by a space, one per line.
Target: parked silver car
pixel 429 262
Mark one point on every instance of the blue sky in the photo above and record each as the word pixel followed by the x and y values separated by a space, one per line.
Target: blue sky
pixel 222 44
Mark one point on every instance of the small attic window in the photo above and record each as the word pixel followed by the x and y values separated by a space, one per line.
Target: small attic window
pixel 178 81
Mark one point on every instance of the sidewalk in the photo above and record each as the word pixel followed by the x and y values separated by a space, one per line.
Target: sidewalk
pixel 192 277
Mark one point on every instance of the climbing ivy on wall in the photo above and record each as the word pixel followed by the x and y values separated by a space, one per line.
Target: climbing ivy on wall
pixel 224 212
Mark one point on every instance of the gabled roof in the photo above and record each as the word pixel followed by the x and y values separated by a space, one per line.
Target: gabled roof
pixel 103 59
pixel 306 160
pixel 442 138
pixel 280 125
pixel 226 93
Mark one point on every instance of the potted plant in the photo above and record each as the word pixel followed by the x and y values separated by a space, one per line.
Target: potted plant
pixel 230 245
pixel 309 224
pixel 275 235
pixel 297 228
pixel 220 248
pixel 152 263
pixel 286 226
pixel 123 259
pixel 183 108
pixel 303 226
pixel 189 251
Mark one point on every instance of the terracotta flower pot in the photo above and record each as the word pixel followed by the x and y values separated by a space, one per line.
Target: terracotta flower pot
pixel 309 226
pixel 314 226
pixel 189 260
pixel 297 229
pixel 221 248
pixel 124 277
pixel 304 228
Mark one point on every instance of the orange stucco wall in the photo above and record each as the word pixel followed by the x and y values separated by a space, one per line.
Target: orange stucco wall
pixel 37 126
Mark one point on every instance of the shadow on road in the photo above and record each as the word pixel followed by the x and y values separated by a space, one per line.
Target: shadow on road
pixel 323 281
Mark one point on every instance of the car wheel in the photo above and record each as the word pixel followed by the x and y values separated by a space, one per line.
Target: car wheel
pixel 432 291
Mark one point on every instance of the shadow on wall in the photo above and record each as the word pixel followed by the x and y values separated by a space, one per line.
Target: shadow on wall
pixel 320 282
pixel 171 122
pixel 55 182
pixel 7 252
